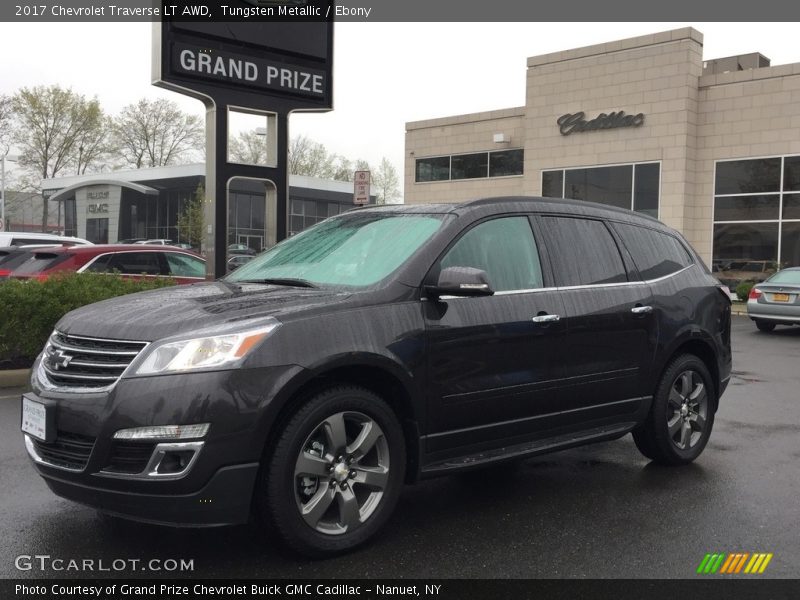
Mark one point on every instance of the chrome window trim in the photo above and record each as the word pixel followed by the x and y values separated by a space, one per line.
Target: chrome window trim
pixel 577 287
pixel 155 248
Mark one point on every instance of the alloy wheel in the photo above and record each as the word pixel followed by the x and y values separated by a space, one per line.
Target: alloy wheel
pixel 687 409
pixel 341 473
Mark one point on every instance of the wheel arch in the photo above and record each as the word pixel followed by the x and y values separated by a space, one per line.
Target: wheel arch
pixel 375 373
pixel 702 348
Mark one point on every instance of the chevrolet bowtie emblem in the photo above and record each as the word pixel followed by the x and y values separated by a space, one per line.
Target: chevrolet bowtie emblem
pixel 59 360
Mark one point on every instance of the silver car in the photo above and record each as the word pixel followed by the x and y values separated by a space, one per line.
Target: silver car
pixel 776 301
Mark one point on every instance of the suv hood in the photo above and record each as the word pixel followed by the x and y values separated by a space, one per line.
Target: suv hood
pixel 156 314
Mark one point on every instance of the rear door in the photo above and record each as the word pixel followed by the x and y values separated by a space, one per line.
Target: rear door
pixel 609 315
pixel 494 367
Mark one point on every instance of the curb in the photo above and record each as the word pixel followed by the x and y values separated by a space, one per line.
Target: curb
pixel 14 378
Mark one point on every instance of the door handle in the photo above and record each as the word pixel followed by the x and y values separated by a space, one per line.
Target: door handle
pixel 546 318
pixel 641 310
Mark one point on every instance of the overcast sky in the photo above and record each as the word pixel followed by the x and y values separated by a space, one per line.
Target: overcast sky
pixel 385 73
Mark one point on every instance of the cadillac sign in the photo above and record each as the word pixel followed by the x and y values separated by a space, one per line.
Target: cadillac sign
pixel 576 122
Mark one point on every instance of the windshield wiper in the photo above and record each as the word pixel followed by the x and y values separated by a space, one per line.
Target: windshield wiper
pixel 280 281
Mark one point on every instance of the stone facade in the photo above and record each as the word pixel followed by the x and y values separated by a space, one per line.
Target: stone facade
pixel 691 120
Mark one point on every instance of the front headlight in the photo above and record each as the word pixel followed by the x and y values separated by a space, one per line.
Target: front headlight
pixel 205 352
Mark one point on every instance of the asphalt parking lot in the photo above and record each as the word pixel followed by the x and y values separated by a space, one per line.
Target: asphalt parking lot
pixel 599 511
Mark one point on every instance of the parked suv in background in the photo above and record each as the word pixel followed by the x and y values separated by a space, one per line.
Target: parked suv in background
pixel 379 347
pixel 133 261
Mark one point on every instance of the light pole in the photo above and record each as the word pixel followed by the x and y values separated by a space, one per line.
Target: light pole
pixel 3 160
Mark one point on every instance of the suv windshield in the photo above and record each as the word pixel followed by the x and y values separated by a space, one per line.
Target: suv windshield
pixel 351 250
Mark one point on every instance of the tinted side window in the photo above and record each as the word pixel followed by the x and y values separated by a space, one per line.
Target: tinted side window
pixel 656 254
pixel 100 265
pixel 183 265
pixel 505 249
pixel 136 263
pixel 583 252
pixel 39 262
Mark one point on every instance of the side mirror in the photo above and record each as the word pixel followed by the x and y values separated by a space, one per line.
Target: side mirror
pixel 461 281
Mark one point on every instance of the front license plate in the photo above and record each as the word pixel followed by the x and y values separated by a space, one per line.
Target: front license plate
pixel 34 419
pixel 780 297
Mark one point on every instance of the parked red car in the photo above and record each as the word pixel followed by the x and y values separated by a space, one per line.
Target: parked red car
pixel 131 260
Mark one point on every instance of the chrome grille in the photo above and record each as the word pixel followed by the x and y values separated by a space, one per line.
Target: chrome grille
pixel 72 361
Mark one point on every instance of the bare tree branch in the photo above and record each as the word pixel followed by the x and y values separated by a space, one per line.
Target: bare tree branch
pixel 51 125
pixel 156 134
pixel 386 183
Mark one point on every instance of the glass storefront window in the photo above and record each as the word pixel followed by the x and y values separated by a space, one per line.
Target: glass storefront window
pixel 747 208
pixel 748 250
pixel 478 165
pixel 790 245
pixel 552 184
pixel 433 169
pixel 469 166
pixel 633 187
pixel 746 241
pixel 646 184
pixel 505 163
pixel 791 174
pixel 748 176
pixel 791 206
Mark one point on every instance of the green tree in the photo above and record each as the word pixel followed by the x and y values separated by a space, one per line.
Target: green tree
pixel 52 124
pixel 191 220
pixel 156 133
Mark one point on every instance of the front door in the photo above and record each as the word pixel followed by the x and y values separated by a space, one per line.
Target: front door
pixel 495 362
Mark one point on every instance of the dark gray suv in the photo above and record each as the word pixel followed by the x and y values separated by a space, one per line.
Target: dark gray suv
pixel 376 348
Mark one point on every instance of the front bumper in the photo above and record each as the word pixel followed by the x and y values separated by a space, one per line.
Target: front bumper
pixel 224 500
pixel 218 486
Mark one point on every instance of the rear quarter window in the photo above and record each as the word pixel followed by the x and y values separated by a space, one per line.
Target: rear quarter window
pixel 655 254
pixel 40 262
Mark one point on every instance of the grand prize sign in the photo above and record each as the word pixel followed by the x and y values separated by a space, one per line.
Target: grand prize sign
pixel 270 63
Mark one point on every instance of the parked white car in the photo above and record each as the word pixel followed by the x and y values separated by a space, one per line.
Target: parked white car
pixel 20 238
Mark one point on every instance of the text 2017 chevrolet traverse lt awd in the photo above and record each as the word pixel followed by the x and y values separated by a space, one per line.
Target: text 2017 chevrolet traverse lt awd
pixel 379 347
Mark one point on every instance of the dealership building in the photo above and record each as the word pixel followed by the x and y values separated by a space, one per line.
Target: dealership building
pixel 709 147
pixel 145 203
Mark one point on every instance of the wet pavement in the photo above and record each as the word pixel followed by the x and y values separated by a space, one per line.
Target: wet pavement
pixel 597 511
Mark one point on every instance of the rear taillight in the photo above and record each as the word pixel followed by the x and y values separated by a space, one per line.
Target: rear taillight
pixel 755 294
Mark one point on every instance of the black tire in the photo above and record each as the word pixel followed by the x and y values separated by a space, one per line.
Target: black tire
pixel 765 325
pixel 306 441
pixel 664 437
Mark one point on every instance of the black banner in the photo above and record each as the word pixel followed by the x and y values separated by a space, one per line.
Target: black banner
pixel 406 11
pixel 439 589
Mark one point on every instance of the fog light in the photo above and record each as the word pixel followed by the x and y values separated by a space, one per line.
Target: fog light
pixel 175 462
pixel 163 432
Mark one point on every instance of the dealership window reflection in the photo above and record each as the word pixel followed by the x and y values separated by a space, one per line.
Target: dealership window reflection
pixel 631 186
pixel 756 218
